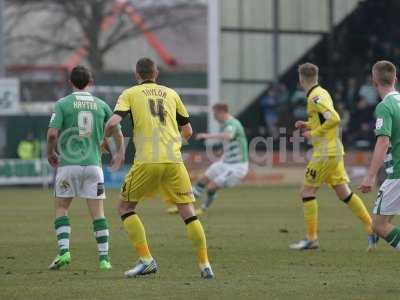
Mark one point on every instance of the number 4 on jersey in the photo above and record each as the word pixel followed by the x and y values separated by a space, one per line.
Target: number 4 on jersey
pixel 157 109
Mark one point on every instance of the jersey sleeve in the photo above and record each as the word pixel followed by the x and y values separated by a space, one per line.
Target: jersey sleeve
pixel 383 125
pixel 231 130
pixel 182 115
pixel 123 105
pixel 57 118
pixel 329 116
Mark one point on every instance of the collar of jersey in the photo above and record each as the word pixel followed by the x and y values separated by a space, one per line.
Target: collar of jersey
pixel 147 81
pixel 390 94
pixel 310 91
pixel 85 93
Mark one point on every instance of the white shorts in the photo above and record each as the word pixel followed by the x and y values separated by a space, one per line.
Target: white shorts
pixel 388 200
pixel 227 175
pixel 80 181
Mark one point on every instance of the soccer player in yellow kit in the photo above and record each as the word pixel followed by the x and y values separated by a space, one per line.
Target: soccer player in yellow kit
pixel 160 122
pixel 326 164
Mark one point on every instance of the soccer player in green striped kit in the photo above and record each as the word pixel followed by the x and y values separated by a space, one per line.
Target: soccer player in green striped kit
pixel 387 130
pixel 234 164
pixel 74 138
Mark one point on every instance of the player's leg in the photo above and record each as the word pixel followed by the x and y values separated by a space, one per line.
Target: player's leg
pixel 229 176
pixel 339 180
pixel 137 235
pixel 176 188
pixel 200 186
pixel 141 181
pixel 212 172
pixel 65 191
pixel 92 188
pixel 356 205
pixel 100 231
pixel 212 188
pixel 384 228
pixel 196 234
pixel 386 206
pixel 216 177
pixel 310 210
pixel 62 228
pixel 316 173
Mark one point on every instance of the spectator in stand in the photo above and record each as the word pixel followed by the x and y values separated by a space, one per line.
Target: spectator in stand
pixel 361 123
pixel 364 137
pixel 283 94
pixel 269 105
pixel 368 92
pixel 344 114
pixel 299 104
pixel 29 148
pixel 351 95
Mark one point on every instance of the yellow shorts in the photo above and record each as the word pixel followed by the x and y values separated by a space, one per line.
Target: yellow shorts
pixel 329 170
pixel 170 180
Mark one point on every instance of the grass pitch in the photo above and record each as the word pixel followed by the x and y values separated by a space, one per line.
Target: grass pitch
pixel 248 231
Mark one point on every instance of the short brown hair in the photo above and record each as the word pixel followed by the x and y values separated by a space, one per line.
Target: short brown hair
pixel 308 71
pixel 146 68
pixel 80 77
pixel 384 72
pixel 221 107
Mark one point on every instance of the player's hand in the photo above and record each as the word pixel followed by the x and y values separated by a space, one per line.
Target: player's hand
pixel 52 158
pixel 117 161
pixel 366 184
pixel 104 147
pixel 300 125
pixel 201 136
pixel 307 134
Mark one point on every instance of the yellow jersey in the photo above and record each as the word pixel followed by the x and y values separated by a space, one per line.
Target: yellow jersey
pixel 156 112
pixel 324 123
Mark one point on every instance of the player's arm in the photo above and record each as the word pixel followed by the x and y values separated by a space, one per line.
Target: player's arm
pixel 55 124
pixel 381 148
pixel 302 124
pixel 52 138
pixel 225 136
pixel 182 119
pixel 186 132
pixel 331 118
pixel 113 130
pixel 119 155
pixel 383 131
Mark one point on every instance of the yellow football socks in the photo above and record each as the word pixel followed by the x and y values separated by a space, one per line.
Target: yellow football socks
pixel 358 208
pixel 310 206
pixel 137 235
pixel 197 236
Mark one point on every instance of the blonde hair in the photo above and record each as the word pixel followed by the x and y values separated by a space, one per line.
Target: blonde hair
pixel 309 72
pixel 384 72
pixel 221 107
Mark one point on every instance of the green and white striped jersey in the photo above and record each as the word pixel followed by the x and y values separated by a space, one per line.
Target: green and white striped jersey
pixel 387 115
pixel 80 117
pixel 236 149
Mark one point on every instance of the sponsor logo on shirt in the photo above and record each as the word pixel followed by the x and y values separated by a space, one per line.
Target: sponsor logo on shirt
pixel 379 123
pixel 185 193
pixel 53 116
pixel 316 99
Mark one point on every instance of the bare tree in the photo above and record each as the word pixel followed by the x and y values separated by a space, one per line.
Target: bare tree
pixel 58 28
